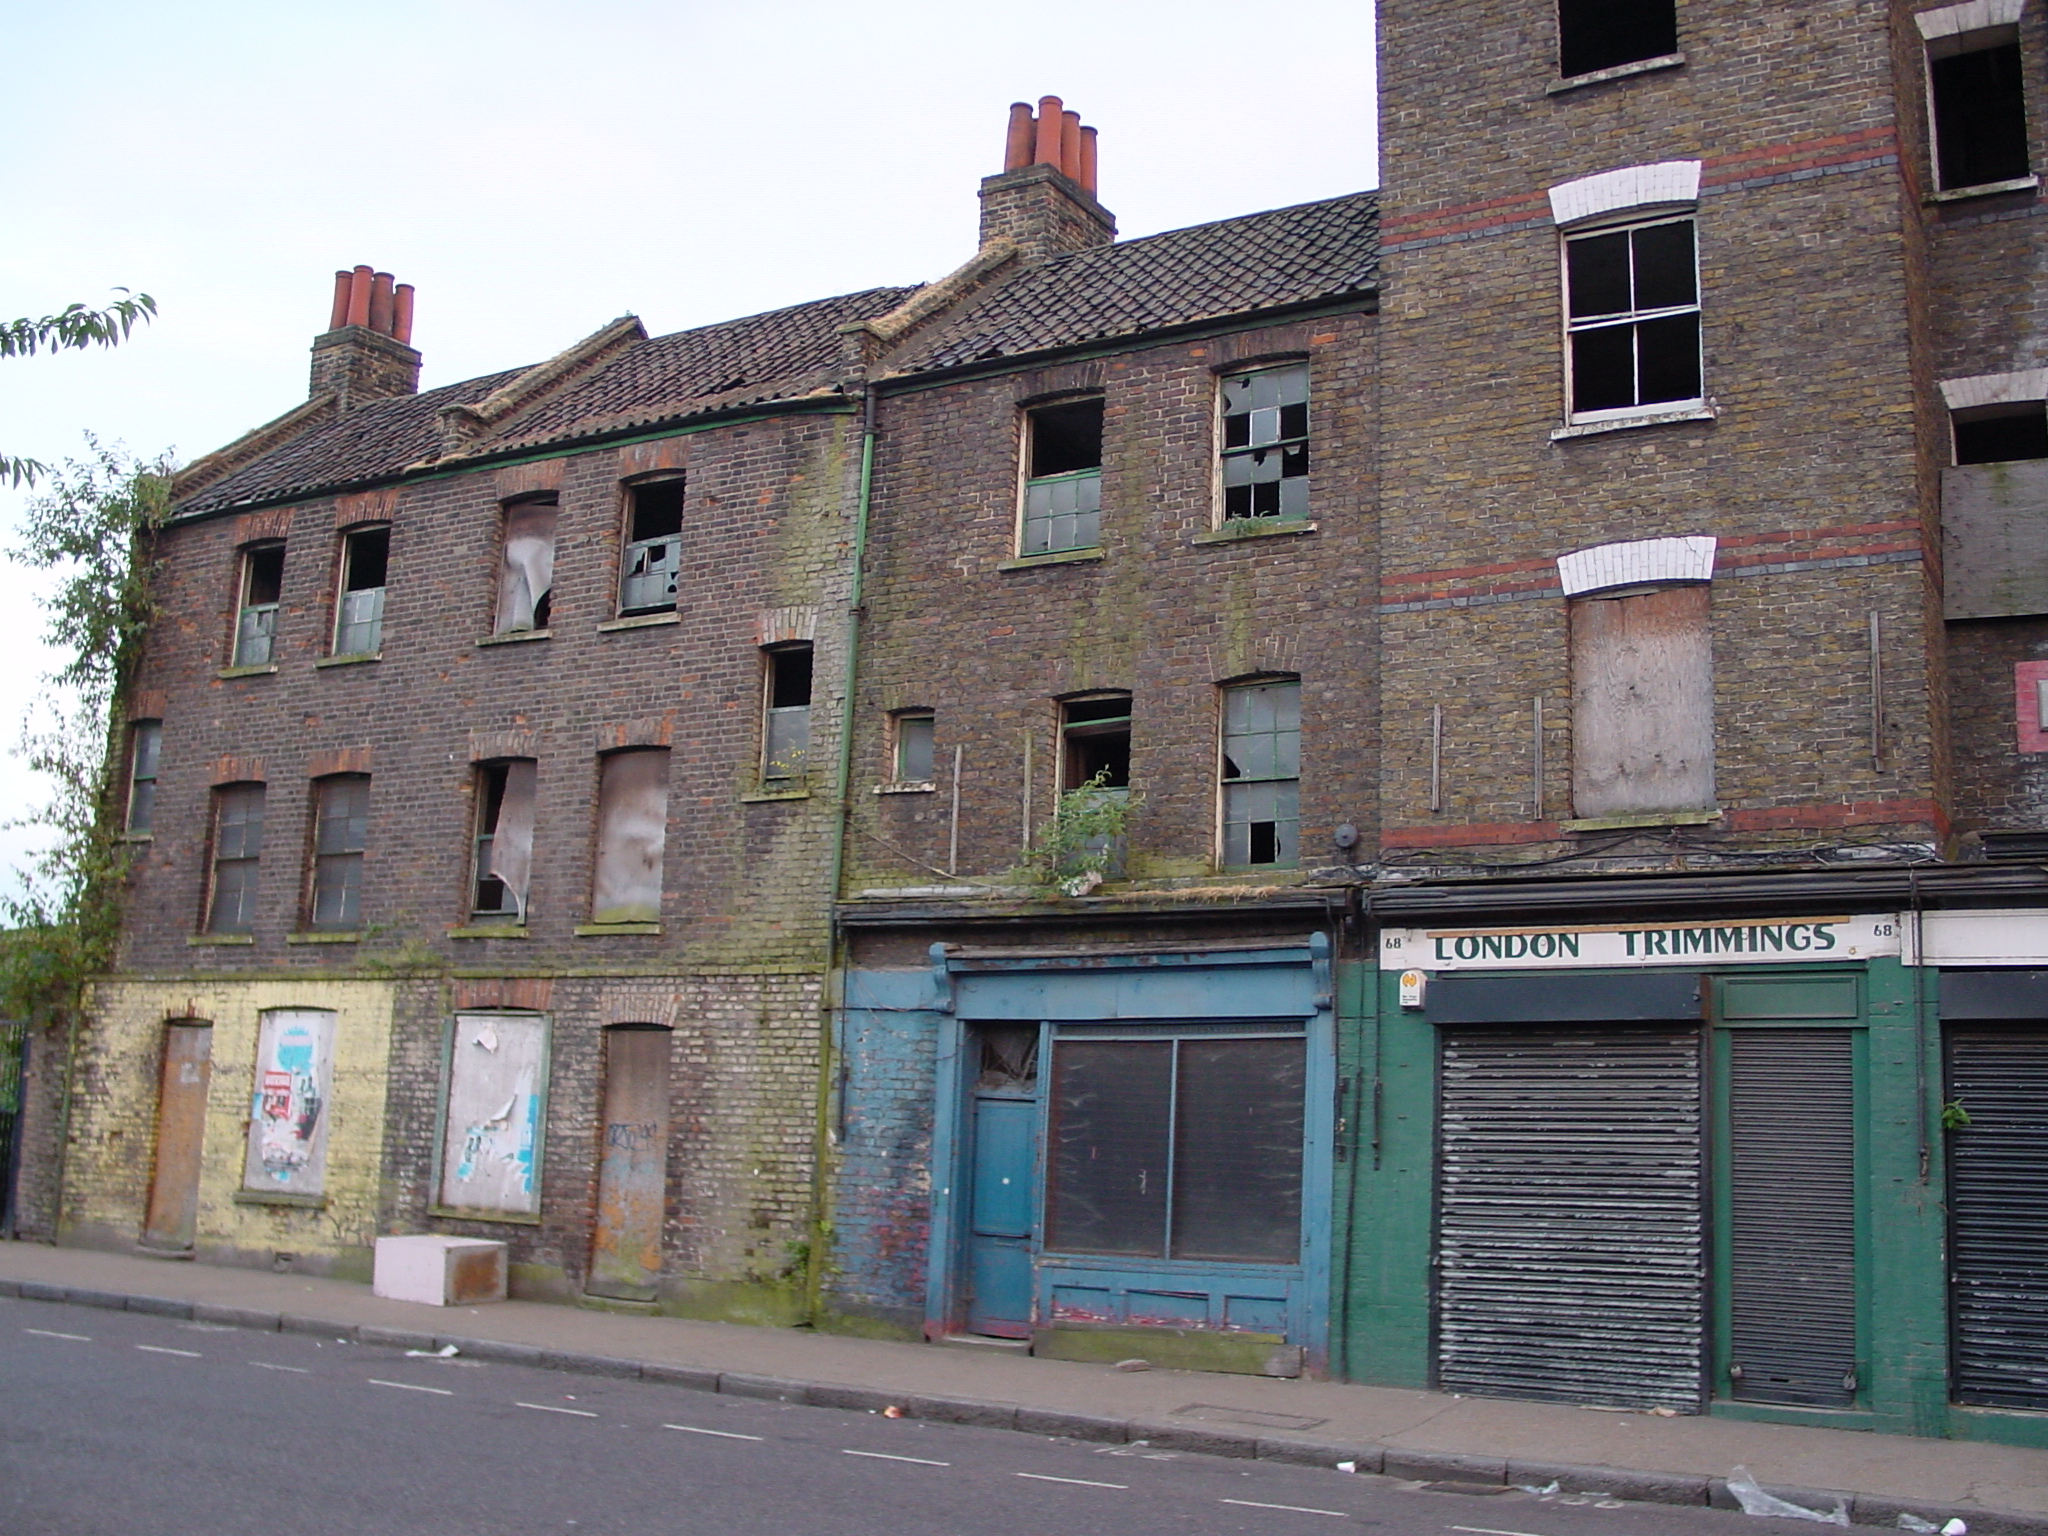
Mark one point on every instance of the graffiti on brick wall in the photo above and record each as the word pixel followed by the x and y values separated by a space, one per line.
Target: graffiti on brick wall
pixel 497 1085
pixel 287 1118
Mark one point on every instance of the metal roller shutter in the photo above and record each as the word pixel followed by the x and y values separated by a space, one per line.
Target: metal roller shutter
pixel 1570 1243
pixel 1792 1216
pixel 1998 1217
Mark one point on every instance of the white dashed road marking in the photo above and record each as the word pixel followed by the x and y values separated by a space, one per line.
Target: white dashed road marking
pixel 296 1370
pixel 158 1349
pixel 406 1386
pixel 1487 1530
pixel 885 1456
pixel 1078 1482
pixel 578 1413
pixel 1292 1509
pixel 723 1434
pixel 48 1333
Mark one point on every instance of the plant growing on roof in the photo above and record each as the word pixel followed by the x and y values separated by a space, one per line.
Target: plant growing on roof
pixel 1075 848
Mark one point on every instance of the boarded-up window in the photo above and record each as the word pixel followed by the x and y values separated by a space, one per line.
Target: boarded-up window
pixel 359 614
pixel 288 1115
pixel 341 830
pixel 526 569
pixel 503 865
pixel 1642 702
pixel 1178 1148
pixel 237 849
pixel 632 830
pixel 496 1106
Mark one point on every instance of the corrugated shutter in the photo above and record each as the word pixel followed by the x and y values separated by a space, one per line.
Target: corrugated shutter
pixel 1792 1216
pixel 1570 1235
pixel 1998 1217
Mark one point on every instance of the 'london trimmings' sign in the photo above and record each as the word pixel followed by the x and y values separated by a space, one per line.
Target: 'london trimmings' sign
pixel 1769 941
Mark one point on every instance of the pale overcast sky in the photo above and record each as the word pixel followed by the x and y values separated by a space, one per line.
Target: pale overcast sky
pixel 537 170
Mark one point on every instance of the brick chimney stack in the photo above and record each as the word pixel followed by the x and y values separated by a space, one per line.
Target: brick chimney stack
pixel 1044 199
pixel 366 351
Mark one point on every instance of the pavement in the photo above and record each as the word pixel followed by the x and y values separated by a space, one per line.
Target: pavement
pixel 1997 1490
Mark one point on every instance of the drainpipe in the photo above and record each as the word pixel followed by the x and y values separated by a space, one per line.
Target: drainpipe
pixel 831 1053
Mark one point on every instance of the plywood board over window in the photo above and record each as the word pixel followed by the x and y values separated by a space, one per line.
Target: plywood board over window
pixel 632 830
pixel 1642 702
pixel 289 1113
pixel 494 1110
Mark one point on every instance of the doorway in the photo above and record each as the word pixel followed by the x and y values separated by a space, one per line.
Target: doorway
pixel 632 1176
pixel 173 1216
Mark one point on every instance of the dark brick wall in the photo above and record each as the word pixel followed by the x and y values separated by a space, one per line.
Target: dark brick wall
pixel 1998 787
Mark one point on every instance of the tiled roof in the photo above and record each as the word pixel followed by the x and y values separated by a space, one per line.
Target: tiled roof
pixel 1284 257
pixel 775 356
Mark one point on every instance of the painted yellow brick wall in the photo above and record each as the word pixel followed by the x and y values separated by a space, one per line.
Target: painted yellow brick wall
pixel 113 1122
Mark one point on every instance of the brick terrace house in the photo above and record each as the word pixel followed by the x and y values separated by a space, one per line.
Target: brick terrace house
pixel 1568 631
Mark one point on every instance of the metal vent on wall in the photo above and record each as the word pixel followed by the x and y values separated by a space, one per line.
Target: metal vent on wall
pixel 1998 1216
pixel 1570 1232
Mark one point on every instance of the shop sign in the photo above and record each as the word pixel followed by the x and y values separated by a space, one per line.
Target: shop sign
pixel 1768 941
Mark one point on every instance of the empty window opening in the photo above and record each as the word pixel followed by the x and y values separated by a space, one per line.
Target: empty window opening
pixel 1265 443
pixel 1063 478
pixel 1633 299
pixel 341 831
pixel 145 741
pixel 2000 433
pixel 1095 737
pixel 632 832
pixel 1605 34
pixel 653 555
pixel 1262 775
pixel 262 581
pixel 1977 93
pixel 786 722
pixel 915 730
pixel 359 621
pixel 502 864
pixel 526 569
pixel 237 849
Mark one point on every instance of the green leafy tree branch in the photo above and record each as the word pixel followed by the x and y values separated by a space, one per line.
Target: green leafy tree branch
pixel 72 329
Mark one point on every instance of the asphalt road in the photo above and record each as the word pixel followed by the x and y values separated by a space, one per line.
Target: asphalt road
pixel 119 1424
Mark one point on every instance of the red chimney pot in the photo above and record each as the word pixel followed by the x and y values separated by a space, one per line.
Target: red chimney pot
pixel 401 313
pixel 359 296
pixel 339 317
pixel 1047 149
pixel 1087 176
pixel 1017 146
pixel 380 303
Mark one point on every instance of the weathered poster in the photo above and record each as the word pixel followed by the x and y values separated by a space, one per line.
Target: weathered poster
pixel 289 1112
pixel 497 1086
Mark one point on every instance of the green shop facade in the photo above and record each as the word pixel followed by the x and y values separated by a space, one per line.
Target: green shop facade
pixel 1785 1166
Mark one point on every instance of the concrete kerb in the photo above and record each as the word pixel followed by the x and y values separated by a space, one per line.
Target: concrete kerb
pixel 1365 1459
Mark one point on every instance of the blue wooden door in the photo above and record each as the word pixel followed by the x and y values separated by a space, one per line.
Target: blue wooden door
pixel 1002 1216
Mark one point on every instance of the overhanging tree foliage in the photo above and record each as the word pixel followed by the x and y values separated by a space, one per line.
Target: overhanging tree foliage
pixel 71 329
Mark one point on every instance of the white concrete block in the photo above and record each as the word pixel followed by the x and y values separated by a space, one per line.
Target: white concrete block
pixel 439 1271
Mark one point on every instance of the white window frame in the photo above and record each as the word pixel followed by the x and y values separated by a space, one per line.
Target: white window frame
pixel 1638 410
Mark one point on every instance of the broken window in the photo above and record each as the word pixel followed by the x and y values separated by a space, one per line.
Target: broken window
pixel 1998 434
pixel 913 744
pixel 1977 100
pixel 1265 443
pixel 1642 702
pixel 1604 34
pixel 493 1113
pixel 1095 740
pixel 237 847
pixel 502 864
pixel 341 830
pixel 654 551
pixel 262 580
pixel 632 832
pixel 1063 478
pixel 526 568
pixel 786 714
pixel 1262 775
pixel 145 740
pixel 359 616
pixel 1633 301
pixel 1177 1144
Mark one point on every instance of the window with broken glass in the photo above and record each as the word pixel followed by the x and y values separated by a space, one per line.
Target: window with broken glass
pixel 262 581
pixel 359 615
pixel 145 741
pixel 786 713
pixel 1633 306
pixel 502 858
pixel 1265 443
pixel 1063 478
pixel 652 558
pixel 1976 91
pixel 1593 35
pixel 1262 775
pixel 1095 758
pixel 526 565
pixel 237 850
pixel 341 830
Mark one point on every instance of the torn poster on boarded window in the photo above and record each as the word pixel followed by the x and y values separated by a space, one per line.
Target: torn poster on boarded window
pixel 497 1087
pixel 511 861
pixel 288 1115
pixel 632 830
pixel 527 577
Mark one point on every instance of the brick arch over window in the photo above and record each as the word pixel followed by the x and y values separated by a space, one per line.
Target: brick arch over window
pixel 1668 183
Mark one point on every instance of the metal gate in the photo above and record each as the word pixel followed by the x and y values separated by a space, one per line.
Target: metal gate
pixel 1570 1233
pixel 13 1092
pixel 1792 1216
pixel 1998 1216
